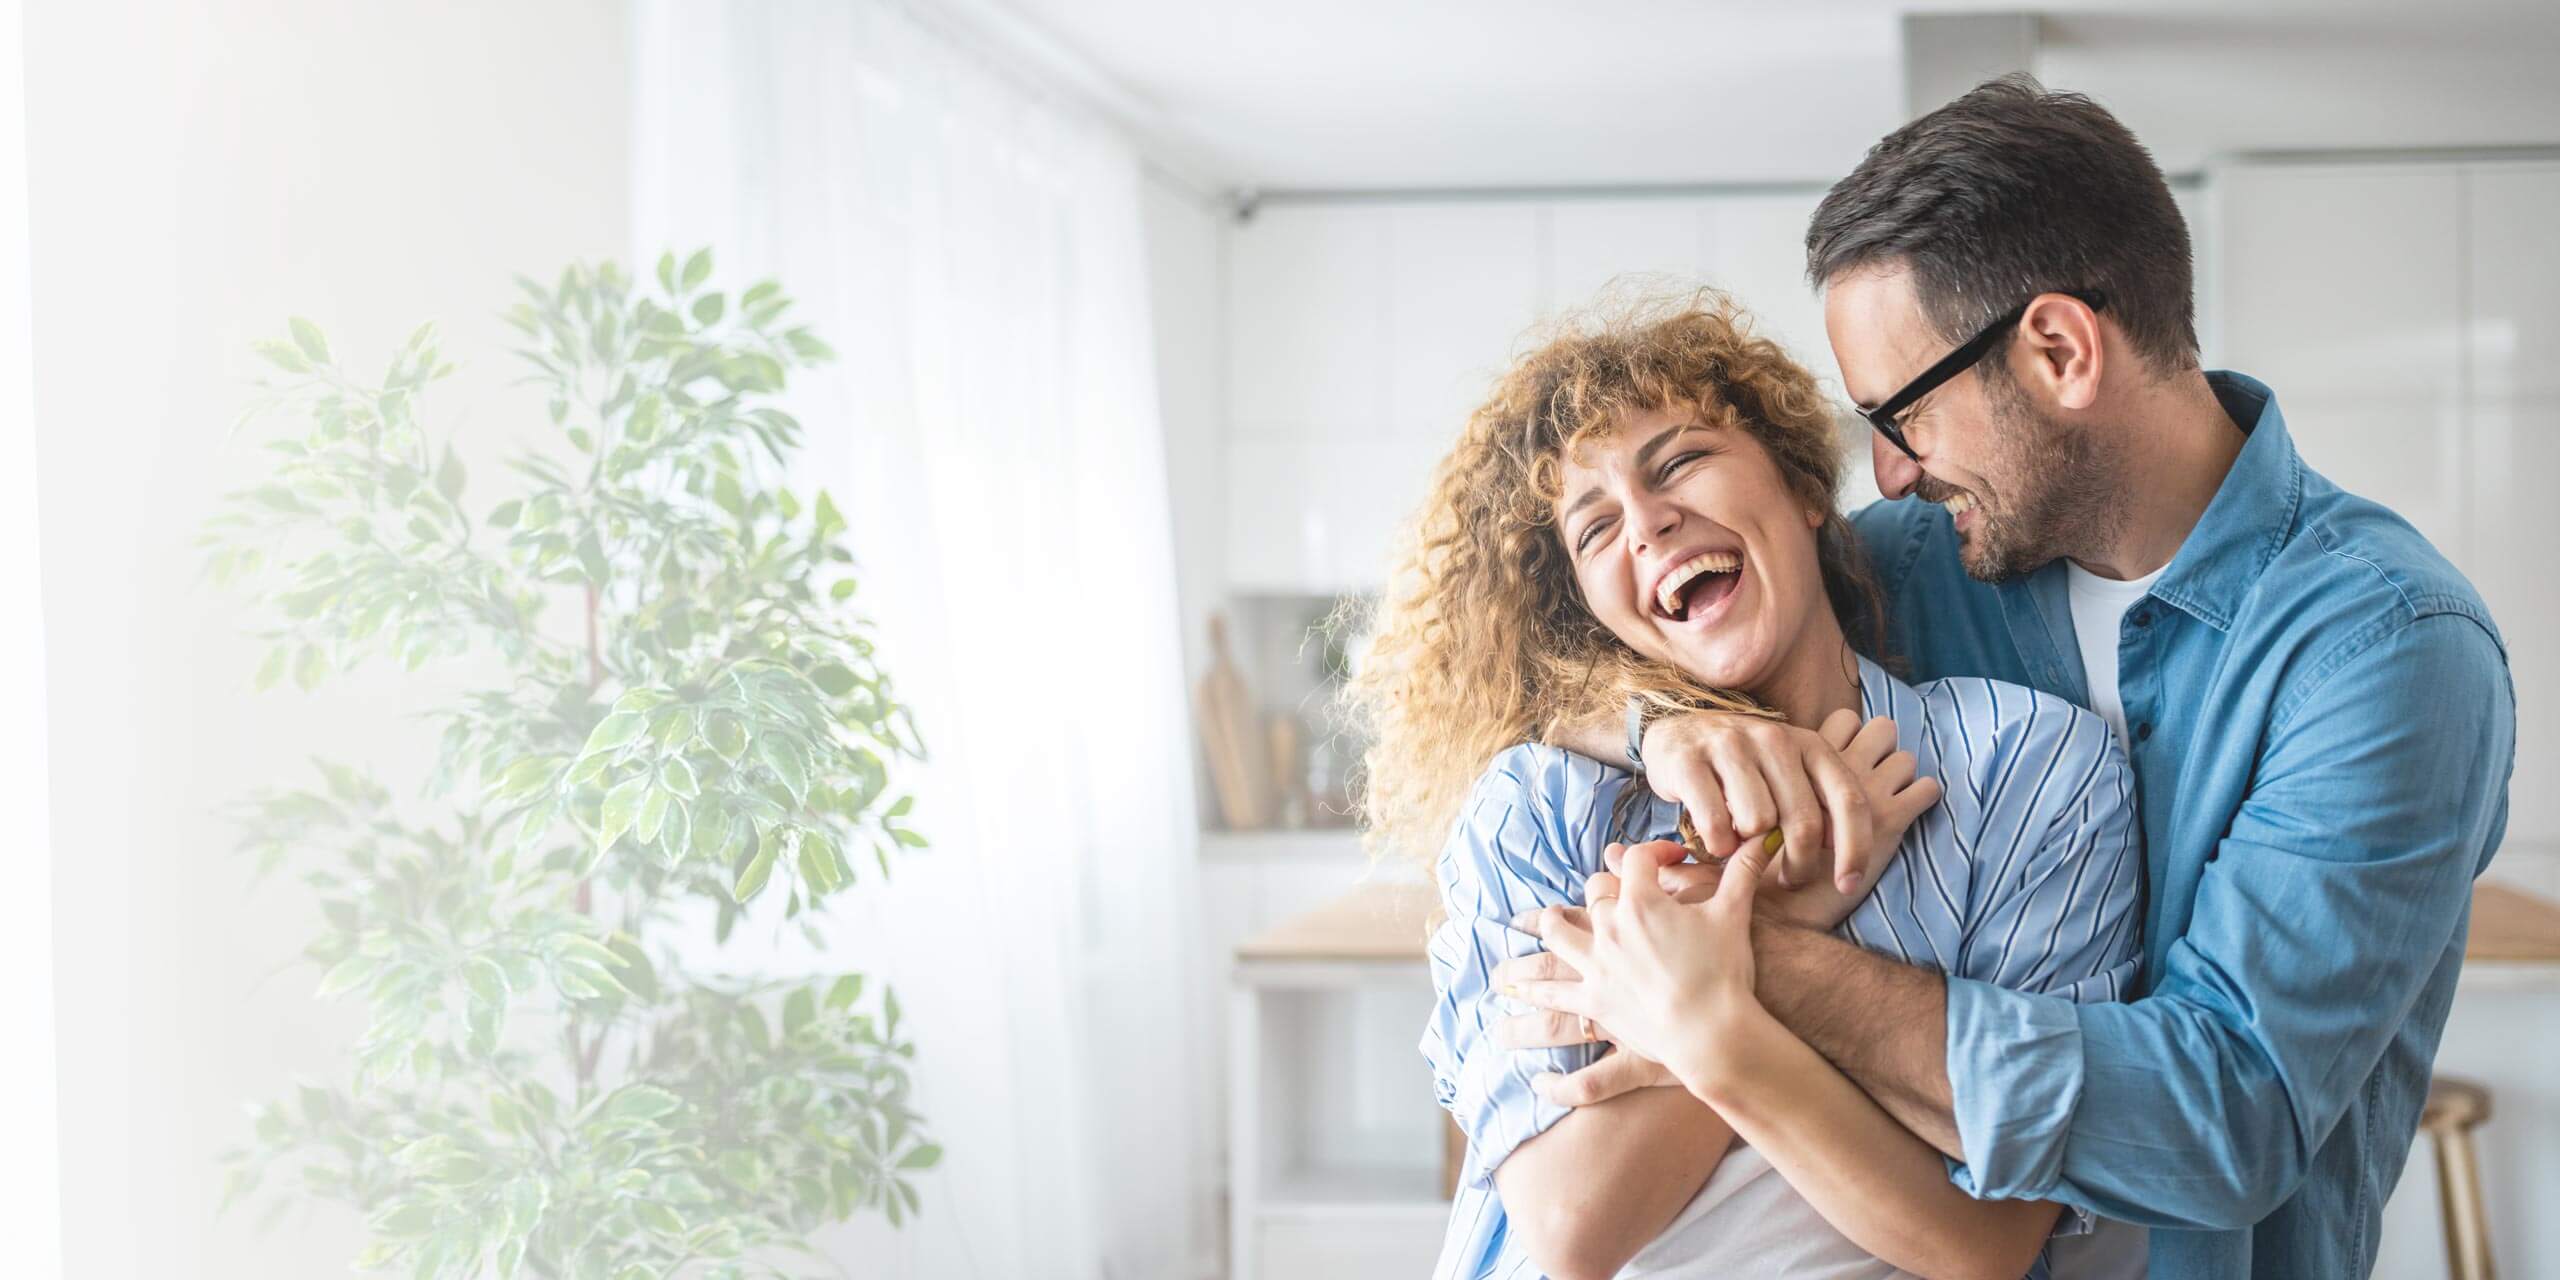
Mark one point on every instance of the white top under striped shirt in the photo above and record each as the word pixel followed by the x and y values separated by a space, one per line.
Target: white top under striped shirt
pixel 2026 876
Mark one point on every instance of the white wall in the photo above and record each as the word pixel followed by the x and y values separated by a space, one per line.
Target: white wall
pixel 198 172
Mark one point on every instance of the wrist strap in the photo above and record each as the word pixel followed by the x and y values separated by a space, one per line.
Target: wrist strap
pixel 1635 732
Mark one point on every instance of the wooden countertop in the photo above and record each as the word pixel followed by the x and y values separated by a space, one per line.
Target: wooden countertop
pixel 1391 921
pixel 1378 921
pixel 2511 926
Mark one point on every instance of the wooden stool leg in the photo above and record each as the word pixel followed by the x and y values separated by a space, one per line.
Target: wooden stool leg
pixel 2466 1213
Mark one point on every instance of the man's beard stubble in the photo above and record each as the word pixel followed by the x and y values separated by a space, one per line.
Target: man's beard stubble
pixel 2056 495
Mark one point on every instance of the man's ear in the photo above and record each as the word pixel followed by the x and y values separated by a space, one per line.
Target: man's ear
pixel 2067 342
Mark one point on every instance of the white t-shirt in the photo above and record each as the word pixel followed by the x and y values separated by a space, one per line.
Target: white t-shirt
pixel 2111 1250
pixel 2097 617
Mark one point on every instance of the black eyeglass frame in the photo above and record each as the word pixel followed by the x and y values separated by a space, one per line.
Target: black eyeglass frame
pixel 1957 361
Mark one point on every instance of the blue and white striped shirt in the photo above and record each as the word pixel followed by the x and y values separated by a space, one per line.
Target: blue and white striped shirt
pixel 2026 876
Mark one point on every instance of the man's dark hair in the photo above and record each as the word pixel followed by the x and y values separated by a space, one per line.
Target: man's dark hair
pixel 2008 192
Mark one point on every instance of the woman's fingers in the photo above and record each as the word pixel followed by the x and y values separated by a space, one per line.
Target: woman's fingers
pixel 1741 880
pixel 1601 887
pixel 1563 997
pixel 1840 728
pixel 1618 1073
pixel 1644 864
pixel 1565 930
pixel 1875 740
pixel 1537 966
pixel 1546 1029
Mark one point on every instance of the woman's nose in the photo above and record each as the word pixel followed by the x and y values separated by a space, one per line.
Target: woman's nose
pixel 1896 473
pixel 1653 520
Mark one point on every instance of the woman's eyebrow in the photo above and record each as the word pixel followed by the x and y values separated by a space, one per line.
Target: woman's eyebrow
pixel 1645 454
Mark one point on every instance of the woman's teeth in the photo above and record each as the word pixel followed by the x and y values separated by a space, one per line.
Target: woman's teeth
pixel 1667 595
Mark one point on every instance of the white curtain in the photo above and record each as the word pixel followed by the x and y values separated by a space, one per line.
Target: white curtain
pixel 30 1172
pixel 972 246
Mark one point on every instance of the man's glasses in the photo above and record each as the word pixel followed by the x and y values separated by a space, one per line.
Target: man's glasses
pixel 1957 361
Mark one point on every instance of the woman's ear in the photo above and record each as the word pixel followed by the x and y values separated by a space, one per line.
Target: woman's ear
pixel 1814 518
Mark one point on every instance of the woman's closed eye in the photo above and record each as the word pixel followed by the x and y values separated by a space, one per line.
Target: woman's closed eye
pixel 1662 475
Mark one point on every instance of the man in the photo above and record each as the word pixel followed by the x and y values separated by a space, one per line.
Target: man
pixel 2317 706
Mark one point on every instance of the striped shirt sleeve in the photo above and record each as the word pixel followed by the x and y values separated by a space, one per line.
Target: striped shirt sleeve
pixel 1505 856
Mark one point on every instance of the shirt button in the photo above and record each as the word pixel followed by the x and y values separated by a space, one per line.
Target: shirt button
pixel 2142 732
pixel 2142 617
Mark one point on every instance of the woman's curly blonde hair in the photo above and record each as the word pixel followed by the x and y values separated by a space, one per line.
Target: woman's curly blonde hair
pixel 1481 640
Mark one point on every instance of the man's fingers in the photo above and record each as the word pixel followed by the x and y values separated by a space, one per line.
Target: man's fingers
pixel 1618 1073
pixel 1853 851
pixel 1800 816
pixel 1692 785
pixel 1644 864
pixel 1746 797
pixel 1544 1029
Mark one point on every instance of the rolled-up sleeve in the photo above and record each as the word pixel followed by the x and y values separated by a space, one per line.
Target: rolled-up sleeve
pixel 2337 895
pixel 1500 860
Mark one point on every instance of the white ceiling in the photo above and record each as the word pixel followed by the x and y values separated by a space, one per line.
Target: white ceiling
pixel 1437 93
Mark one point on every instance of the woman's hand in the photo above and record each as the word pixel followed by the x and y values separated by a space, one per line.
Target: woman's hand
pixel 1671 981
pixel 1841 793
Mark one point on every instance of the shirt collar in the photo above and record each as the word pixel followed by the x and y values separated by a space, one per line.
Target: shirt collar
pixel 2251 515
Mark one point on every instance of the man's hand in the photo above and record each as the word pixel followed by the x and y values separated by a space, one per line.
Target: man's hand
pixel 1843 790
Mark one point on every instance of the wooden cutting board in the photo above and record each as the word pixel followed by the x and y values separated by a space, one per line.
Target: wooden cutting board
pixel 1231 733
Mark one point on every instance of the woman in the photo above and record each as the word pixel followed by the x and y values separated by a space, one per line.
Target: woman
pixel 1647 507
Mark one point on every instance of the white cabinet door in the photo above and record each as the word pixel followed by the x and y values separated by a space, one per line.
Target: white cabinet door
pixel 1462 288
pixel 1307 319
pixel 2340 288
pixel 2515 280
pixel 1755 248
pixel 2342 281
pixel 2514 343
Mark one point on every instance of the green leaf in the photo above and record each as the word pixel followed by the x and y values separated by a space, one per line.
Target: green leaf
pixel 677 775
pixel 708 309
pixel 486 979
pixel 306 336
pixel 281 355
pixel 834 678
pixel 621 808
pixel 667 271
pixel 781 756
pixel 638 1104
pixel 726 734
pixel 613 731
pixel 347 975
pixel 799 1009
pixel 653 815
pixel 923 1157
pixel 821 867
pixel 676 837
pixel 504 515
pixel 697 268
pixel 759 869
pixel 449 476
pixel 844 991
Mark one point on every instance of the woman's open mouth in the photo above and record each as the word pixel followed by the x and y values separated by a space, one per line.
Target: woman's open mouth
pixel 1698 588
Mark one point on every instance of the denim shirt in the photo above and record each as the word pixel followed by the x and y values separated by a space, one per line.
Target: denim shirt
pixel 2323 729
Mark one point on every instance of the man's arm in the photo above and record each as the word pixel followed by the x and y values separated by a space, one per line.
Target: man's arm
pixel 2336 897
pixel 1882 1022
